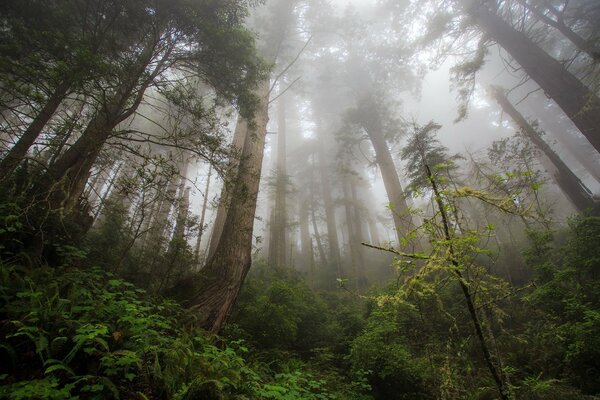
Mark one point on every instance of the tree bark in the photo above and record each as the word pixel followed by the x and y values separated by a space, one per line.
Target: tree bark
pixel 306 244
pixel 579 103
pixel 239 137
pixel 573 188
pixel 66 178
pixel 223 275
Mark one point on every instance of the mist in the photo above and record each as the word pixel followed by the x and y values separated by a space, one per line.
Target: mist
pixel 299 199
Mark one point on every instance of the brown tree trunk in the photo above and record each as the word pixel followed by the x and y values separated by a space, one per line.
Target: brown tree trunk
pixel 313 206
pixel 579 103
pixel 223 275
pixel 16 153
pixel 573 188
pixel 66 178
pixel 239 137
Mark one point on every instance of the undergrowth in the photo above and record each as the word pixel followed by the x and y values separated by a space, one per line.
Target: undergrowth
pixel 84 334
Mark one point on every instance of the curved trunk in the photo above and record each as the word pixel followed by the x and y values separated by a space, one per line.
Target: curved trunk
pixel 223 275
pixel 391 181
pixel 239 137
pixel 572 187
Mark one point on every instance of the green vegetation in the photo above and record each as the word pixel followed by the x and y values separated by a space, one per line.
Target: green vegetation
pixel 70 333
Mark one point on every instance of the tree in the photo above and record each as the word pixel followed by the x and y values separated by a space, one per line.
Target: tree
pixel 56 49
pixel 427 163
pixel 183 38
pixel 569 183
pixel 227 267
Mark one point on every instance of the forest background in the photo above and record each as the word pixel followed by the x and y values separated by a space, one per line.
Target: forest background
pixel 299 199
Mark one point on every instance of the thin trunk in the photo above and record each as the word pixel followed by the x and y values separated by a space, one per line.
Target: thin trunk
pixel 223 275
pixel 465 289
pixel 277 240
pixel 573 188
pixel 354 236
pixel 107 192
pixel 320 247
pixel 17 153
pixel 306 245
pixel 332 234
pixel 203 214
pixel 578 102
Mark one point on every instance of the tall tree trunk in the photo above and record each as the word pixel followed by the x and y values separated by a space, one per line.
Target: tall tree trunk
pixel 306 245
pixel 391 181
pixel 223 275
pixel 579 103
pixel 66 178
pixel 203 214
pixel 313 206
pixel 573 188
pixel 354 234
pixel 239 137
pixel 16 153
pixel 556 124
pixel 278 234
pixel 332 234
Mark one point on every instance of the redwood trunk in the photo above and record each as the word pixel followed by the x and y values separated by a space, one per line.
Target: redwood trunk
pixel 226 270
pixel 239 137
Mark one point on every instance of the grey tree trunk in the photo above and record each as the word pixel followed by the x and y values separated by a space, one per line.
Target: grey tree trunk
pixel 203 215
pixel 391 180
pixel 354 235
pixel 578 102
pixel 17 153
pixel 278 234
pixel 332 234
pixel 573 188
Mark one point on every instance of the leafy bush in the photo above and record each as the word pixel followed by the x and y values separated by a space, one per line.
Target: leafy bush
pixel 393 371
